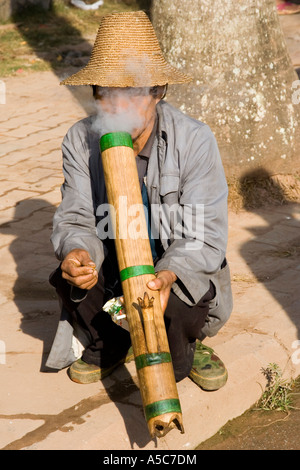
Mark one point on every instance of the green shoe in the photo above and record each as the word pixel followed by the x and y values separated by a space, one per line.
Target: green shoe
pixel 83 373
pixel 208 371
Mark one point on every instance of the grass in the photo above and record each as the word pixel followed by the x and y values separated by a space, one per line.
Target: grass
pixel 278 392
pixel 259 188
pixel 35 39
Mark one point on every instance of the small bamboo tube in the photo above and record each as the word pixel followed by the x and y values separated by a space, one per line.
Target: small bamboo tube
pixel 144 314
pixel 151 333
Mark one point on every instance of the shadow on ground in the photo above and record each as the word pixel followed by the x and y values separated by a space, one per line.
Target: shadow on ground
pixel 275 248
pixel 33 257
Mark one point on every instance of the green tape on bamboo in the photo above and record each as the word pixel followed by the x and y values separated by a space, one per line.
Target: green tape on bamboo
pixel 133 271
pixel 115 139
pixel 145 360
pixel 171 405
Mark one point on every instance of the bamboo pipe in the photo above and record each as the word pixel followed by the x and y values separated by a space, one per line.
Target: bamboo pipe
pixel 144 314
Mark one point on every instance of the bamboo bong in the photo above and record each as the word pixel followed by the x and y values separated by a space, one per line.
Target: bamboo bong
pixel 144 314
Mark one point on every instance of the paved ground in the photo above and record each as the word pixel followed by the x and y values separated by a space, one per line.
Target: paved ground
pixel 41 410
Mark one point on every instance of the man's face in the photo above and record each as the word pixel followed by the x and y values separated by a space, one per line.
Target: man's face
pixel 130 109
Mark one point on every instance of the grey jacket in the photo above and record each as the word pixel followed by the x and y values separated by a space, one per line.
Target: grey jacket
pixel 185 172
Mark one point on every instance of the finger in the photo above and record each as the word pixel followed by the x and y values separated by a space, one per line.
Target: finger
pixel 163 306
pixel 155 284
pixel 89 264
pixel 80 281
pixel 84 259
pixel 84 286
pixel 80 258
pixel 90 284
pixel 164 299
pixel 75 271
pixel 74 260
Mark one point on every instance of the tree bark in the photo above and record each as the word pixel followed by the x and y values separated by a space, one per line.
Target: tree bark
pixel 10 7
pixel 244 84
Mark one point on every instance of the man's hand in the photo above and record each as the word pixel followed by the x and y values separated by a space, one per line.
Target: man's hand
pixel 163 283
pixel 79 270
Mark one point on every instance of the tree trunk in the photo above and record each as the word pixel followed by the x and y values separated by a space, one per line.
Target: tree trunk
pixel 243 78
pixel 10 7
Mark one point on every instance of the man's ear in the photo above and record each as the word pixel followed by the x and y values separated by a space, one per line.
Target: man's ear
pixel 94 88
pixel 164 92
pixel 159 92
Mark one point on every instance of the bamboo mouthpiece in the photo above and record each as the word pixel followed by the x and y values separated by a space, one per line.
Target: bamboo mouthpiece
pixel 161 425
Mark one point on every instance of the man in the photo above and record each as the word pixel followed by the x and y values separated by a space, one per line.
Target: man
pixel 178 166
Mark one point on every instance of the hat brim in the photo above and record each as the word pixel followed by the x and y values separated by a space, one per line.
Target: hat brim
pixel 90 75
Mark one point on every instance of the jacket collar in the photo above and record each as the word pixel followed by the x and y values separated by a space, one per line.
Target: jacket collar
pixel 161 125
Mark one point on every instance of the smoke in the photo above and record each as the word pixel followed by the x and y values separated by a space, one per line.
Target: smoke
pixel 117 110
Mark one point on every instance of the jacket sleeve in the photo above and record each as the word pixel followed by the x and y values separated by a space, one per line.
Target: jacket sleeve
pixel 199 250
pixel 74 223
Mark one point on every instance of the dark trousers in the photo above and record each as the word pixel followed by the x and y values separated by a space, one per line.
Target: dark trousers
pixel 110 342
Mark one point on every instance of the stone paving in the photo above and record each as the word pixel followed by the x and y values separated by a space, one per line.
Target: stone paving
pixel 40 410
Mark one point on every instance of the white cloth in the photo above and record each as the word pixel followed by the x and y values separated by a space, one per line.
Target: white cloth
pixel 83 6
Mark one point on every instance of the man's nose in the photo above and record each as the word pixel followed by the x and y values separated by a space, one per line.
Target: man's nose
pixel 120 102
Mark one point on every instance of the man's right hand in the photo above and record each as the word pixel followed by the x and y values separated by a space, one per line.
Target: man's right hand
pixel 79 270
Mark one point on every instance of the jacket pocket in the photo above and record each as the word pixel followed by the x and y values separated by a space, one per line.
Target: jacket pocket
pixel 168 184
pixel 220 307
pixel 169 189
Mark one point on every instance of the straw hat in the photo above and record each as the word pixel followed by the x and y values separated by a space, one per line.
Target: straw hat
pixel 126 53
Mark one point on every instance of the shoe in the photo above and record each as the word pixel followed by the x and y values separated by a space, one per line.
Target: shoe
pixel 83 373
pixel 208 371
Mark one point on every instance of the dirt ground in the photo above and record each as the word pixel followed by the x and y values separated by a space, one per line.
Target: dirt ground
pixel 260 430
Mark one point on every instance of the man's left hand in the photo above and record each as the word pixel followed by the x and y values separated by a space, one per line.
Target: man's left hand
pixel 163 283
